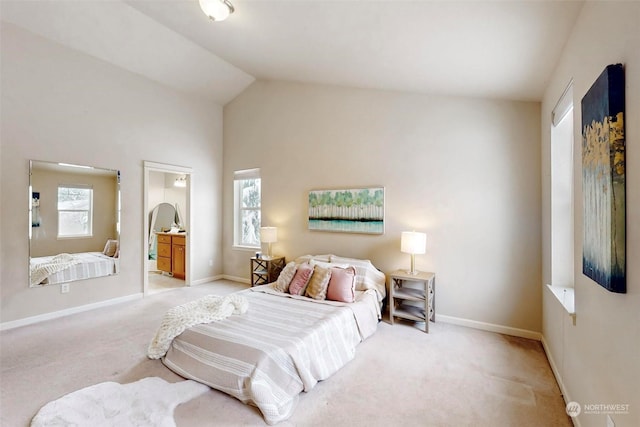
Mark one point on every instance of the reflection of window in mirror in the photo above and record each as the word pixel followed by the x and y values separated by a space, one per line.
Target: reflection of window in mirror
pixel 75 213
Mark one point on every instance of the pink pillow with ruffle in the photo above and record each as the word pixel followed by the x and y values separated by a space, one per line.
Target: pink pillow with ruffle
pixel 300 279
pixel 342 284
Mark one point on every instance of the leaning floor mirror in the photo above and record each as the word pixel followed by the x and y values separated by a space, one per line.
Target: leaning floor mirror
pixel 74 214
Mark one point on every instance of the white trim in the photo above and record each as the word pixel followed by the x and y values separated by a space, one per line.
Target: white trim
pixel 491 327
pixel 165 168
pixel 221 277
pixel 556 374
pixel 236 279
pixel 66 312
pixel 564 105
pixel 162 167
pixel 566 296
pixel 246 248
pixel 554 369
pixel 241 175
pixel 238 209
pixel 206 280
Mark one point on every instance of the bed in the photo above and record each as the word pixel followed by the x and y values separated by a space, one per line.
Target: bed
pixel 61 268
pixel 283 344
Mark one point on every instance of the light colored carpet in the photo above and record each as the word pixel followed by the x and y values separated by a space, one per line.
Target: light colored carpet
pixel 159 282
pixel 453 376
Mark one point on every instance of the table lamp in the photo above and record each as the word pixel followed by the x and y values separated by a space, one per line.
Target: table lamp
pixel 268 235
pixel 413 243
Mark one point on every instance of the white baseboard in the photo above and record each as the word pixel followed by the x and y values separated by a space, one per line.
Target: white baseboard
pixel 556 373
pixel 236 279
pixel 491 327
pixel 206 280
pixel 66 312
pixel 219 277
pixel 554 367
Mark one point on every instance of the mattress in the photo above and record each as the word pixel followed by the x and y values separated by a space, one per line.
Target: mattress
pixel 282 345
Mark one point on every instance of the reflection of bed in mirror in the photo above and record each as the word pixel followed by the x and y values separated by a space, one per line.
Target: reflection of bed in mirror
pixel 74 210
pixel 62 268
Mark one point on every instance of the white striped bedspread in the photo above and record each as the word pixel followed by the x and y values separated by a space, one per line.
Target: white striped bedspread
pixel 280 347
pixel 86 265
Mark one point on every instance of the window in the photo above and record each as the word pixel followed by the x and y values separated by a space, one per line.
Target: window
pixel 562 245
pixel 247 202
pixel 75 211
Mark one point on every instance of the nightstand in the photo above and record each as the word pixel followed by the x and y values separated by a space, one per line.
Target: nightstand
pixel 411 297
pixel 265 269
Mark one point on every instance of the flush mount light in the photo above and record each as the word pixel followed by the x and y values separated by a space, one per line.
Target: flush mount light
pixel 217 10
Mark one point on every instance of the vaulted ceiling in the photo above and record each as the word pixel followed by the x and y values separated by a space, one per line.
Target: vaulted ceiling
pixel 495 49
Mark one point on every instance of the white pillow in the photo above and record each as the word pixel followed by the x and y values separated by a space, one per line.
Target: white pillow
pixel 111 248
pixel 361 266
pixel 307 258
pixel 328 264
pixel 284 279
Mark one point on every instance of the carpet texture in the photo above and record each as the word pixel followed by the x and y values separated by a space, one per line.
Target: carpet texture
pixel 453 376
pixel 148 402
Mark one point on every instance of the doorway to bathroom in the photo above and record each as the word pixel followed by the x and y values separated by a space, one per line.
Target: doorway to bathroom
pixel 167 202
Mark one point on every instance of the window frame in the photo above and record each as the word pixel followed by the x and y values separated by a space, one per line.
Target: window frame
pixel 239 210
pixel 562 191
pixel 89 211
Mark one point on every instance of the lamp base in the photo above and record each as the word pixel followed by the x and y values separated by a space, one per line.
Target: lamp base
pixel 413 270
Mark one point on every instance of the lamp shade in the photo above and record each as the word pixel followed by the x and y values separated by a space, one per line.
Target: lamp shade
pixel 218 10
pixel 268 234
pixel 413 242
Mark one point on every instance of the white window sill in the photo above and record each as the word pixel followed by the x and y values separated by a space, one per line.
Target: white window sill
pixel 566 297
pixel 246 248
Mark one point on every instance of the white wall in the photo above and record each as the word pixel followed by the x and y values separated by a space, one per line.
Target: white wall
pixel 62 105
pixel 597 359
pixel 465 171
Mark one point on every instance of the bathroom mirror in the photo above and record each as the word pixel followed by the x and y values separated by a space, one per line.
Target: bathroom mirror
pixel 74 212
pixel 163 217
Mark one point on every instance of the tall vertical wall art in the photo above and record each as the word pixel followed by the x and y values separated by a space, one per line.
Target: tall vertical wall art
pixel 603 180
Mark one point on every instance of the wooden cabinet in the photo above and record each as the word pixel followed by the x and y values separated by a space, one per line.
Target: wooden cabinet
pixel 178 256
pixel 411 297
pixel 164 253
pixel 265 269
pixel 172 254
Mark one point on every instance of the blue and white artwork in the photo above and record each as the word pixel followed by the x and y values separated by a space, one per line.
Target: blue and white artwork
pixel 603 180
pixel 357 210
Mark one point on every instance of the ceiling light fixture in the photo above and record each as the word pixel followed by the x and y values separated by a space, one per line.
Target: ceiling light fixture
pixel 217 10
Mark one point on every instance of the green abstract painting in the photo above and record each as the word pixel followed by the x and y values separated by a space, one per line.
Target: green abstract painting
pixel 356 210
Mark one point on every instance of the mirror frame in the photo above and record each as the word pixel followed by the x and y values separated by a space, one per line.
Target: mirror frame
pixel 61 259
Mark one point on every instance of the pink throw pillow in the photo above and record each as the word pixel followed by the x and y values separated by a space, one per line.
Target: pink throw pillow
pixel 300 279
pixel 342 284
